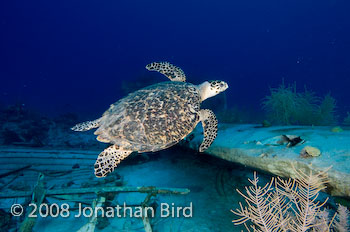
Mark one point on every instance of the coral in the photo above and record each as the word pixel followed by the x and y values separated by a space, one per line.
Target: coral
pixel 286 106
pixel 309 151
pixel 288 205
pixel 281 104
pixel 20 126
pixel 260 210
pixel 347 120
pixel 266 123
pixel 327 111
pixel 23 127
pixel 308 110
pixel 342 222
pixel 337 129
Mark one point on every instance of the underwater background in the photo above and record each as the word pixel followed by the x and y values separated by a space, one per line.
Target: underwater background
pixel 286 111
pixel 64 56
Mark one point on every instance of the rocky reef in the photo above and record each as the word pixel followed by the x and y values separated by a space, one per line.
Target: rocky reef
pixel 23 127
pixel 267 149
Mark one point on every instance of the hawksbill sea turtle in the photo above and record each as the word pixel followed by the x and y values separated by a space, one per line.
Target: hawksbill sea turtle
pixel 154 118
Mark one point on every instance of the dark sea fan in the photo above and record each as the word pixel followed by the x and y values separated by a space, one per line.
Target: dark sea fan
pixel 286 106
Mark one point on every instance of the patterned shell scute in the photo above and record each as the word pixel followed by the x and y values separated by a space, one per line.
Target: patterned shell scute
pixel 152 118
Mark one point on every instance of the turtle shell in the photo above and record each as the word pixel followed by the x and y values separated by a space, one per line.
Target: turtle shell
pixel 152 118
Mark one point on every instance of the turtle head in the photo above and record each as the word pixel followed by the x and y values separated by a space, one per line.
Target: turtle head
pixel 211 88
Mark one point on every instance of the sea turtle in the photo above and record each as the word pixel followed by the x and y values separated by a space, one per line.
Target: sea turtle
pixel 154 118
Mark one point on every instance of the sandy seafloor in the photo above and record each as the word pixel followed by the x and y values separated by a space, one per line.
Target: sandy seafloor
pixel 212 183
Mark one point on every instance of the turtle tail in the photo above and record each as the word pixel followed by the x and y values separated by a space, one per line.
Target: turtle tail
pixel 85 126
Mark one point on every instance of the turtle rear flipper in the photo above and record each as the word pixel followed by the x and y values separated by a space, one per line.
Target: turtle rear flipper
pixel 108 160
pixel 210 128
pixel 85 126
pixel 169 70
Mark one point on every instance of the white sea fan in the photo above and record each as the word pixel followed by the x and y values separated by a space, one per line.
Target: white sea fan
pixel 287 205
pixel 342 222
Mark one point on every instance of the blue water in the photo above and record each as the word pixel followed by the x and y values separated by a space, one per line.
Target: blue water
pixel 71 56
pixel 77 56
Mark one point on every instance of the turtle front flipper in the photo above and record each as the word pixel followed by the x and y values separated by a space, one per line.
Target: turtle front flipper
pixel 85 126
pixel 210 128
pixel 108 160
pixel 171 71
